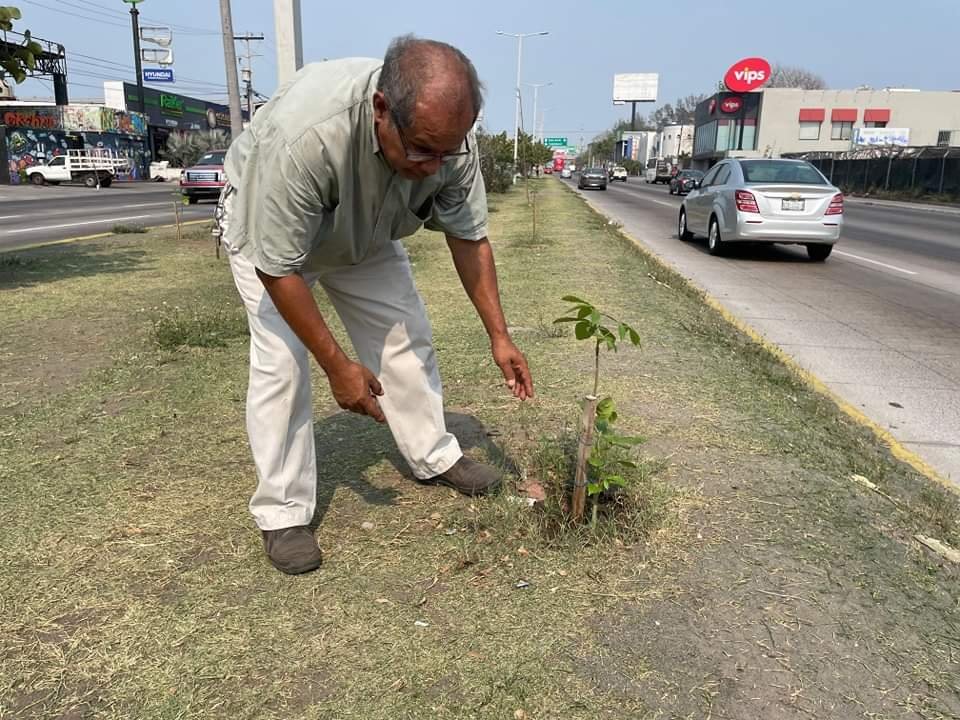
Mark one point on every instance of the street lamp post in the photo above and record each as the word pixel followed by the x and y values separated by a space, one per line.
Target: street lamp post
pixel 134 20
pixel 536 90
pixel 516 124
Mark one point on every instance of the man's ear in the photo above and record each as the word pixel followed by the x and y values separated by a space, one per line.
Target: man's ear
pixel 380 107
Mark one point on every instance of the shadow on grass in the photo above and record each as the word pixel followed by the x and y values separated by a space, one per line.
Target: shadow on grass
pixel 25 268
pixel 350 445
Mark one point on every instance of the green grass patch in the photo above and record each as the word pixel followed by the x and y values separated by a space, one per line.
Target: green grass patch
pixel 741 574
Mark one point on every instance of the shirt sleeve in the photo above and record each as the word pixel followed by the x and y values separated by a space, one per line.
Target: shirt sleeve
pixel 287 214
pixel 460 208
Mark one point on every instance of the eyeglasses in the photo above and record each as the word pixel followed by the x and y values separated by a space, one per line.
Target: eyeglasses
pixel 416 156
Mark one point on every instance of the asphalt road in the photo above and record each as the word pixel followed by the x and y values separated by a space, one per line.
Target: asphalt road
pixel 32 215
pixel 878 322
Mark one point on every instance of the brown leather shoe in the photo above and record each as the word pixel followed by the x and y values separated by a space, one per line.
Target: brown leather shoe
pixel 292 550
pixel 469 477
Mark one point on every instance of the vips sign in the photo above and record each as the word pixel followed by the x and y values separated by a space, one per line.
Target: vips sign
pixel 747 74
pixel 731 105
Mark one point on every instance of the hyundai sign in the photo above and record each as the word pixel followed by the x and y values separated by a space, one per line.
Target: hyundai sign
pixel 158 75
pixel 747 74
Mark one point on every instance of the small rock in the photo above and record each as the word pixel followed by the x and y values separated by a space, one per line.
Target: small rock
pixel 522 551
pixel 421 623
pixel 522 585
pixel 436 516
pixel 519 715
pixel 450 531
pixel 534 491
pixel 367 525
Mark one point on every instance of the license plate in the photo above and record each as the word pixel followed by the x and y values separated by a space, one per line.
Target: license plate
pixel 793 205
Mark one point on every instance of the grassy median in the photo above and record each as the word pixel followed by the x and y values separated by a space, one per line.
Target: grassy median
pixel 751 578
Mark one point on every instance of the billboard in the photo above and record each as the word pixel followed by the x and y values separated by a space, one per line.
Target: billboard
pixel 882 136
pixel 635 87
pixel 748 74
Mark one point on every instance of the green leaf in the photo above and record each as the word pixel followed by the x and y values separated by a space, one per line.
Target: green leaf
pixel 565 320
pixel 584 330
pixel 614 480
pixel 594 460
pixel 575 299
pixel 584 311
pixel 594 316
pixel 602 425
pixel 634 336
pixel 605 407
pixel 624 440
pixel 594 488
pixel 627 464
pixel 622 330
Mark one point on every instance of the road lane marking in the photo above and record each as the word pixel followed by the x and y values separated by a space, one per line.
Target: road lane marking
pixel 11 217
pixel 874 262
pixel 643 196
pixel 75 224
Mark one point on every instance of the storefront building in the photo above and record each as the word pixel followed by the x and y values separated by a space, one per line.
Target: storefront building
pixel 167 112
pixel 32 134
pixel 776 122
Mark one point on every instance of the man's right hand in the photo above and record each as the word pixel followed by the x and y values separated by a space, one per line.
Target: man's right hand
pixel 355 389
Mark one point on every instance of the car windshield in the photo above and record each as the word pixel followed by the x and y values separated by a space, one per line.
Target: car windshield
pixel 212 158
pixel 779 171
pixel 594 171
pixel 695 174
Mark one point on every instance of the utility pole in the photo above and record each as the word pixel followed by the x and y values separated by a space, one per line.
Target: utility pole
pixel 286 23
pixel 516 124
pixel 230 60
pixel 246 73
pixel 536 90
pixel 135 22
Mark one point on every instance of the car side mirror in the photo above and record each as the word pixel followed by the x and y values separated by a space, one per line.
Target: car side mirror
pixel 698 184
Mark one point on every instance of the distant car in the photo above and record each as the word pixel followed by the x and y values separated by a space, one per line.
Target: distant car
pixel 548 170
pixel 618 173
pixel 771 201
pixel 205 179
pixel 566 173
pixel 593 178
pixel 684 181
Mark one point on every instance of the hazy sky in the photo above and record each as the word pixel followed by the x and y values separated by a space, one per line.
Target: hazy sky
pixel 690 43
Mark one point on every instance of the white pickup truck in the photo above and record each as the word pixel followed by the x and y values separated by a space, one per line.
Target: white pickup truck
pixel 90 167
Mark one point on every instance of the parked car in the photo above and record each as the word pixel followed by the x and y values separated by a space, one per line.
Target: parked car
pixel 618 173
pixel 593 178
pixel 566 173
pixel 205 179
pixel 92 167
pixel 771 201
pixel 684 181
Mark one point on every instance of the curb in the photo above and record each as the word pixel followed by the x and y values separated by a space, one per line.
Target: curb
pixel 65 241
pixel 898 205
pixel 897 449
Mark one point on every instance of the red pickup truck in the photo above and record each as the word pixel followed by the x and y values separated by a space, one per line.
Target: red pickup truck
pixel 205 179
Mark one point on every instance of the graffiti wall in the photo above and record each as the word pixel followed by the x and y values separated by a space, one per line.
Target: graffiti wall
pixel 29 147
pixel 37 135
pixel 134 149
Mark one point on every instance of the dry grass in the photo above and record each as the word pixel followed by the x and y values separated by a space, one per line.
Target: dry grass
pixel 748 578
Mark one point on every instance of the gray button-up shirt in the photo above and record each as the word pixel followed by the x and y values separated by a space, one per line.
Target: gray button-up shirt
pixel 313 190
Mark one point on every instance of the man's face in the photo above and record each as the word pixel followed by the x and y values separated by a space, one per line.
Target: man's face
pixel 414 152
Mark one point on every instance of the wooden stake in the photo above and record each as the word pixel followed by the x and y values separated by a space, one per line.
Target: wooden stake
pixel 587 421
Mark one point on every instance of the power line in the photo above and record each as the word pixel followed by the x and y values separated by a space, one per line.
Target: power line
pixel 186 29
pixel 99 21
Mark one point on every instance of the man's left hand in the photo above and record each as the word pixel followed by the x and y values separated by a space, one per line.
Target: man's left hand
pixel 514 367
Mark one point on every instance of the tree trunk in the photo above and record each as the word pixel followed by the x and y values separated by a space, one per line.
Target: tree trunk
pixel 587 422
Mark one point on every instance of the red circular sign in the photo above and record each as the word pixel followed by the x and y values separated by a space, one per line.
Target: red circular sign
pixel 747 74
pixel 731 105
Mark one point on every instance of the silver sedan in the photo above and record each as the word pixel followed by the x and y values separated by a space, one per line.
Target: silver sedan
pixel 770 201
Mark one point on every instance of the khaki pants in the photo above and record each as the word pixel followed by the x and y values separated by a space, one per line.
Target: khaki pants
pixel 381 309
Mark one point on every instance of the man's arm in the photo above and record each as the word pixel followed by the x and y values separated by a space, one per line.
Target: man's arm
pixel 353 385
pixel 478 273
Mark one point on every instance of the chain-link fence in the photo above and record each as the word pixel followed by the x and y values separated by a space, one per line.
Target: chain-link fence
pixel 916 171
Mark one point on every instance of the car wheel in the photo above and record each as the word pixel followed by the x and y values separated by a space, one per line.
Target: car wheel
pixel 715 244
pixel 683 232
pixel 90 181
pixel 37 179
pixel 192 199
pixel 818 252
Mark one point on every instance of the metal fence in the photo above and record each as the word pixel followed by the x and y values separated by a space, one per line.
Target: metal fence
pixel 914 170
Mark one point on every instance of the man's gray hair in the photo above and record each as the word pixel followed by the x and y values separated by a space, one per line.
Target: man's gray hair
pixel 404 74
